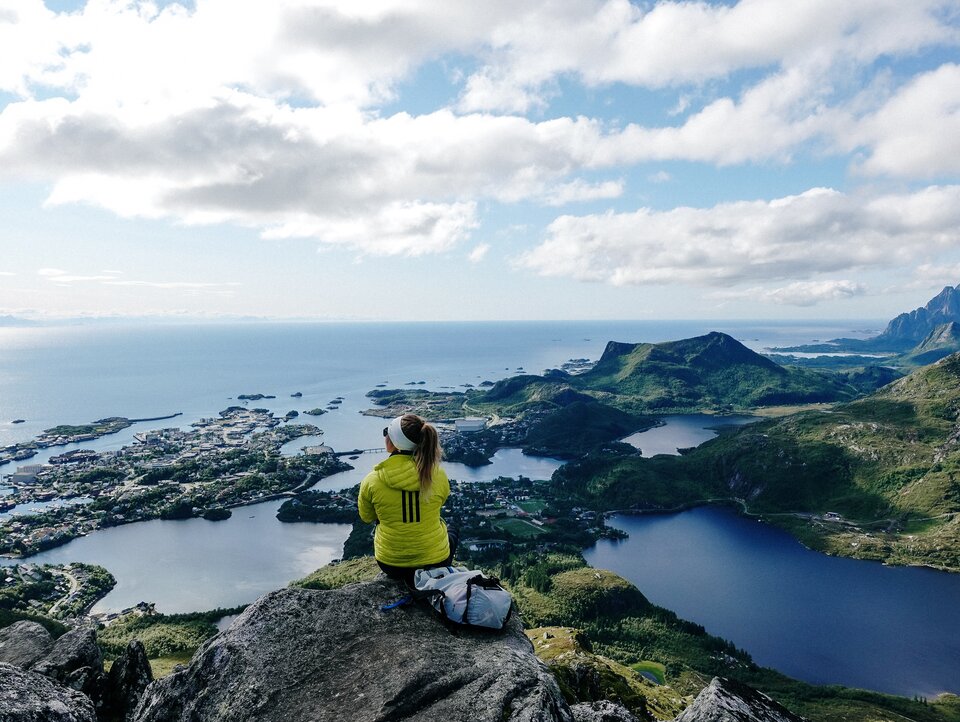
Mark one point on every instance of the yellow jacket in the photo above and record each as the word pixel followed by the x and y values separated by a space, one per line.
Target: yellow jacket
pixel 410 532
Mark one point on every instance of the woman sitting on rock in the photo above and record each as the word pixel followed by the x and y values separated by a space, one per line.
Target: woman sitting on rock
pixel 403 496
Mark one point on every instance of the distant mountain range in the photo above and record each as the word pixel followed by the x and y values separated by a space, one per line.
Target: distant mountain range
pixel 903 333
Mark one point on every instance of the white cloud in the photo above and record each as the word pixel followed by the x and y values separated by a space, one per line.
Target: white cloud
pixel 412 229
pixel 117 52
pixel 401 184
pixel 7 273
pixel 266 115
pixel 768 122
pixel 676 43
pixel 55 275
pixel 478 253
pixel 936 276
pixel 791 238
pixel 661 176
pixel 799 293
pixel 341 52
pixel 916 132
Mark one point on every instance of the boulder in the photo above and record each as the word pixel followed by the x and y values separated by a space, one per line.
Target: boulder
pixel 301 654
pixel 128 678
pixel 74 660
pixel 724 700
pixel 603 711
pixel 30 697
pixel 23 643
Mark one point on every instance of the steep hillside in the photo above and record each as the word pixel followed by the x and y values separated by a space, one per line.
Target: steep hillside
pixel 939 343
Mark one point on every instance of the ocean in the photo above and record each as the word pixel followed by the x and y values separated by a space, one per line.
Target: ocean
pixel 76 374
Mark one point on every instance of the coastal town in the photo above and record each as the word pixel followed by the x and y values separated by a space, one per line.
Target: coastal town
pixel 220 462
pixel 59 591
pixel 234 459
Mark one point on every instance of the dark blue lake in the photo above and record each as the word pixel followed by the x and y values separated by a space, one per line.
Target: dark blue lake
pixel 822 619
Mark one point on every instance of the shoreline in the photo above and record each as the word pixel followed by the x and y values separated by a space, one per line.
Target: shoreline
pixel 742 510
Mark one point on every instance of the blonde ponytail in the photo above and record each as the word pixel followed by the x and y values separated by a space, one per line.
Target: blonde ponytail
pixel 427 453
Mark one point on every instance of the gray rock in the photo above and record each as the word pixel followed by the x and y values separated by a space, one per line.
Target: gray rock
pixel 74 660
pixel 23 643
pixel 129 676
pixel 724 700
pixel 604 711
pixel 29 697
pixel 299 654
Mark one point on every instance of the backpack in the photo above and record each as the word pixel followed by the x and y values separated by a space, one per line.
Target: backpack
pixel 464 596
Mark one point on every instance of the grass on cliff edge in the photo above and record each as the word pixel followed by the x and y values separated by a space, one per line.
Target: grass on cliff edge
pixel 586 677
pixel 334 576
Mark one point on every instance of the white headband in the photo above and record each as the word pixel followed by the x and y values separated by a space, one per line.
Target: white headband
pixel 397 436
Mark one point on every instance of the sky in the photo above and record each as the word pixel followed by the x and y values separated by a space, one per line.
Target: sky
pixel 463 160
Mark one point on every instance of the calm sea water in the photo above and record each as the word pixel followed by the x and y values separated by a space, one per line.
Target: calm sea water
pixel 74 375
pixel 821 619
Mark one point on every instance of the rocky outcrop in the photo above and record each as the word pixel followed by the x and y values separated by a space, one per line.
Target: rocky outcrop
pixel 300 654
pixel 604 711
pixel 30 697
pixel 23 643
pixel 939 343
pixel 75 661
pixel 68 667
pixel 128 678
pixel 724 700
